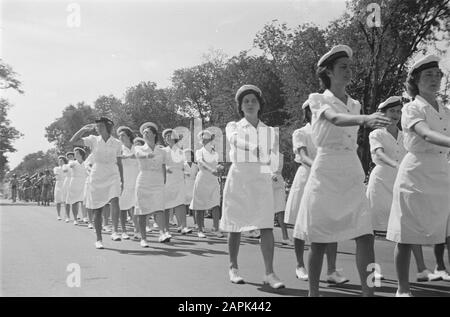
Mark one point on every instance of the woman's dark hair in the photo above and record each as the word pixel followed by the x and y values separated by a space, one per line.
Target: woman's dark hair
pixel 325 81
pixel 70 153
pixel 241 97
pixel 129 133
pixel 308 114
pixel 64 159
pixel 81 152
pixel 411 84
pixel 155 132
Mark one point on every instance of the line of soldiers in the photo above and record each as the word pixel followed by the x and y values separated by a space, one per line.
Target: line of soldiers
pixel 37 187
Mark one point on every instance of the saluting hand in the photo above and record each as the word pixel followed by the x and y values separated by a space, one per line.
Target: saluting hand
pixel 377 120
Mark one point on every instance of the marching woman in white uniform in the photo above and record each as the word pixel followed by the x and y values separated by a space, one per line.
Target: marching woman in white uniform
pixel 334 206
pixel 106 177
pixel 175 195
pixel 127 199
pixel 190 173
pixel 420 212
pixel 60 176
pixel 206 194
pixel 305 152
pixel 386 147
pixel 75 195
pixel 68 172
pixel 150 196
pixel 248 195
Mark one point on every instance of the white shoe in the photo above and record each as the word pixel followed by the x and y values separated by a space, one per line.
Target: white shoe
pixel 144 244
pixel 125 236
pixel 443 274
pixel 164 237
pixel 273 281
pixel 75 223
pixel 115 236
pixel 427 276
pixel 67 220
pixel 219 234
pixel 99 245
pixel 148 229
pixel 186 230
pixel 397 294
pixel 201 235
pixel 287 242
pixel 155 225
pixel 301 273
pixel 90 226
pixel 85 220
pixel 336 278
pixel 168 235
pixel 59 218
pixel 107 229
pixel 254 234
pixel 235 277
pixel 137 236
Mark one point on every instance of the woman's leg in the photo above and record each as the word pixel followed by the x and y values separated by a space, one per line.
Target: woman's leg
pixel 234 240
pixel 67 206
pixel 142 223
pixel 115 213
pixel 365 256
pixel 267 249
pixel 200 219
pixel 280 220
pixel 58 209
pixel 106 214
pixel 83 211
pixel 315 267
pixel 123 220
pixel 90 214
pixel 331 253
pixel 180 213
pixel 299 247
pixel 402 257
pixel 439 250
pixel 216 218
pixel 75 211
pixel 98 223
pixel 166 221
pixel 418 255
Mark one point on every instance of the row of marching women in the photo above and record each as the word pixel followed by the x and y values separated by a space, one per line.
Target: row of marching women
pixel 407 196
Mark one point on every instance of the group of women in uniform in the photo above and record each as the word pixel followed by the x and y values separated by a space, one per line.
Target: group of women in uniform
pixel 407 195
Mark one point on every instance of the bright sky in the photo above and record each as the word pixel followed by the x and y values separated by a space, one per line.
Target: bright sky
pixel 121 43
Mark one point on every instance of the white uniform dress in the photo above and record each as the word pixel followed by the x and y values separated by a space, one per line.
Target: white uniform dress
pixel 382 177
pixel 300 138
pixel 174 189
pixel 190 173
pixel 59 191
pixel 334 206
pixel 150 180
pixel 104 179
pixel 88 166
pixel 278 186
pixel 248 200
pixel 420 208
pixel 206 194
pixel 77 182
pixel 69 174
pixel 130 172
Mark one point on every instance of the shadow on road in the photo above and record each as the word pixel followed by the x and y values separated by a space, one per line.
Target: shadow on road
pixel 171 252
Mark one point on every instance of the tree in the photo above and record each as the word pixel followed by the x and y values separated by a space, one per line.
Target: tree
pixel 145 102
pixel 72 119
pixel 112 108
pixel 8 134
pixel 36 162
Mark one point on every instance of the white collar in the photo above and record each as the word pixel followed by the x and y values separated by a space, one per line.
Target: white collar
pixel 244 122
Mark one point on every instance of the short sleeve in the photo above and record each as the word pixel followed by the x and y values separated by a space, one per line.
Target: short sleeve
pixel 89 141
pixel 54 170
pixel 198 155
pixel 375 140
pixel 412 113
pixel 318 105
pixel 299 139
pixel 231 130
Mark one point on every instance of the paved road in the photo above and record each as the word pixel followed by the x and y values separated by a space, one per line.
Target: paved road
pixel 36 251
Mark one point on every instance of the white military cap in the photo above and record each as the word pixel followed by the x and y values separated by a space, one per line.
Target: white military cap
pixel 336 52
pixel 205 134
pixel 391 102
pixel 429 61
pixel 136 139
pixel 146 125
pixel 245 88
pixel 305 104
pixel 174 135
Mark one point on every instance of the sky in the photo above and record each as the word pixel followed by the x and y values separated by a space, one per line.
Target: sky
pixel 118 44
